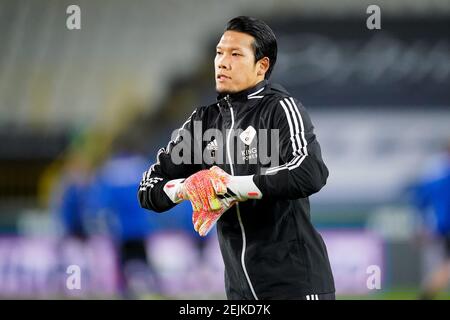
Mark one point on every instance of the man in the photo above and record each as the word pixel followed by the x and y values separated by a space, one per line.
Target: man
pixel 430 195
pixel 269 246
pixel 111 203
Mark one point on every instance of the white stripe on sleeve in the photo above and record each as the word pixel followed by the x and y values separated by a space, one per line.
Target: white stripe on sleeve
pixel 297 132
pixel 291 128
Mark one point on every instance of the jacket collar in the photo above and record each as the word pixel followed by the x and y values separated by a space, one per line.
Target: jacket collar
pixel 248 94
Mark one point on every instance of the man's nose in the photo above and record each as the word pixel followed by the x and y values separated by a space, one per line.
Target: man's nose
pixel 224 63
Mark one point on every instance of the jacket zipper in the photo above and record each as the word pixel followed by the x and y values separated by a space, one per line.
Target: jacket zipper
pixel 244 241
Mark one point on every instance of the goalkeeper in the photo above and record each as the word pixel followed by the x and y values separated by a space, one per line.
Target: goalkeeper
pixel 269 246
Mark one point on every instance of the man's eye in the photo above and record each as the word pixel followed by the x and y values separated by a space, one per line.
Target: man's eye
pixel 218 52
pixel 236 54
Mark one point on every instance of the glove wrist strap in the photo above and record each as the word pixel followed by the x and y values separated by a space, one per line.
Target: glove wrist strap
pixel 244 187
pixel 173 188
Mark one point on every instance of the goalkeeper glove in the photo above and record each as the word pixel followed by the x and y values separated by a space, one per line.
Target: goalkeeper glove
pixel 201 189
pixel 211 192
pixel 239 188
pixel 229 190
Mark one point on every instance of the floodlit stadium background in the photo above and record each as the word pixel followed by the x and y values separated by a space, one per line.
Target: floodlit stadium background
pixel 379 100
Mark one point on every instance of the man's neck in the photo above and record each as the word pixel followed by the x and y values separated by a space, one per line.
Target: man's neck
pixel 245 92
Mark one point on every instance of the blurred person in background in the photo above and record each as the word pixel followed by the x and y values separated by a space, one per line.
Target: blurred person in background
pixel 69 201
pixel 70 196
pixel 431 196
pixel 112 198
pixel 70 180
pixel 269 246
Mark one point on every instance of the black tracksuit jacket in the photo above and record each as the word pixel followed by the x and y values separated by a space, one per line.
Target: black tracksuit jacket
pixel 269 246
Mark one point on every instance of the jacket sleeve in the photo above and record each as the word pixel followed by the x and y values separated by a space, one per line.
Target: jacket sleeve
pixel 172 162
pixel 302 171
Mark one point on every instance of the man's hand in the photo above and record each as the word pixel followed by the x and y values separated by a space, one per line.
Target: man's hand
pixel 211 193
pixel 228 190
pixel 203 189
pixel 239 188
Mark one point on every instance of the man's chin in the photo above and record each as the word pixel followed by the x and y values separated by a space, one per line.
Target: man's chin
pixel 220 90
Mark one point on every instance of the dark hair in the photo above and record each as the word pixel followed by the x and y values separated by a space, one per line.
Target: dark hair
pixel 265 44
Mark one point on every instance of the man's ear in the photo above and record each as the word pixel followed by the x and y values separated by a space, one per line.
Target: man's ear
pixel 263 65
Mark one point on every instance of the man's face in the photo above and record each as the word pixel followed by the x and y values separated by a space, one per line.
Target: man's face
pixel 234 65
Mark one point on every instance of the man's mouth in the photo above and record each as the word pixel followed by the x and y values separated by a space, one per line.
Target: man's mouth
pixel 222 77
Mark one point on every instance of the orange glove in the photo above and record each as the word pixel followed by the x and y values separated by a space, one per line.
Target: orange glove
pixel 211 192
pixel 228 191
pixel 202 189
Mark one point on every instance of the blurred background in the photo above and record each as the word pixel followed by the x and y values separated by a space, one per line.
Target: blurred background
pixel 84 111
